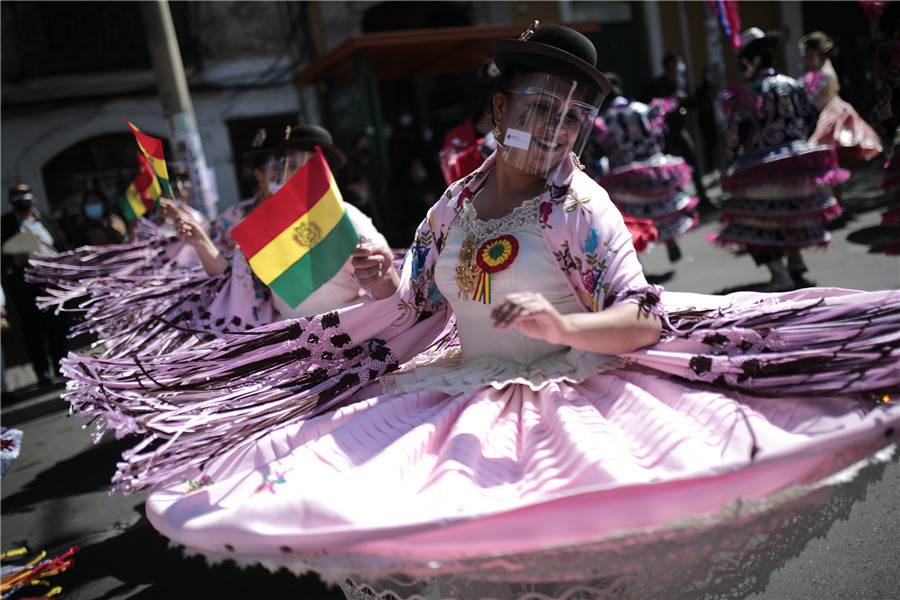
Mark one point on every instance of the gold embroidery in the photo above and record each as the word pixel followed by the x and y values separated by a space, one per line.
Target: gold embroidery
pixel 467 272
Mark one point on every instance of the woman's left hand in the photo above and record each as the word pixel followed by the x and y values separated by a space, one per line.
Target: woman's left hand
pixel 532 314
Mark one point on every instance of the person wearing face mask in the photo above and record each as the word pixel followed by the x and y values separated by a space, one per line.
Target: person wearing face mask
pixel 97 225
pixel 673 84
pixel 25 233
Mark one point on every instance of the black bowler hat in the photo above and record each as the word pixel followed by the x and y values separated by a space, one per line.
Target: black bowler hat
pixel 307 137
pixel 556 50
pixel 261 149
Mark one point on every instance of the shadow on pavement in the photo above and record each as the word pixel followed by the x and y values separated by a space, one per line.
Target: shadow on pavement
pixel 876 238
pixel 148 569
pixel 89 471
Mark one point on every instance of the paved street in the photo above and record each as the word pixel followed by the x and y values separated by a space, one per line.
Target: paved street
pixel 54 495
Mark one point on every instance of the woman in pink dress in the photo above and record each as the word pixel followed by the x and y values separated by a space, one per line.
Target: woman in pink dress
pixel 208 285
pixel 839 125
pixel 589 434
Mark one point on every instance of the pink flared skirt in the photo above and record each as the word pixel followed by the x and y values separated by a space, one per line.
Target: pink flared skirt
pixel 841 127
pixel 525 482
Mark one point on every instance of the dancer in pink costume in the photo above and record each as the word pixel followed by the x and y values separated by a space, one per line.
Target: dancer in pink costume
pixel 590 435
pixel 775 177
pixel 839 125
pixel 158 311
pixel 244 296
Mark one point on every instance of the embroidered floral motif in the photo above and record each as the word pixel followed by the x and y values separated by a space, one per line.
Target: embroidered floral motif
pixel 545 210
pixel 270 481
pixel 420 254
pixel 566 262
pixel 193 486
pixel 590 244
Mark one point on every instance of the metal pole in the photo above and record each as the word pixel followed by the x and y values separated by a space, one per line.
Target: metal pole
pixel 176 103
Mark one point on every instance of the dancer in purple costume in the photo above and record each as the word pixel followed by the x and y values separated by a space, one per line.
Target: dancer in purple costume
pixel 775 177
pixel 591 434
pixel 641 180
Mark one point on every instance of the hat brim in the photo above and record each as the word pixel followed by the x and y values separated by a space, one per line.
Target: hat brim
pixel 333 155
pixel 547 59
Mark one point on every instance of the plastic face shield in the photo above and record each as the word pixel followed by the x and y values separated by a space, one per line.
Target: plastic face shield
pixel 289 163
pixel 546 118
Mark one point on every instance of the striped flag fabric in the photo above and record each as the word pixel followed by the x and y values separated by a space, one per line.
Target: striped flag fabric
pixel 300 236
pixel 142 193
pixel 729 20
pixel 153 150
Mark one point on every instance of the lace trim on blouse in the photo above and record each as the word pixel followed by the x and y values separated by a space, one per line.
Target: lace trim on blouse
pixel 524 216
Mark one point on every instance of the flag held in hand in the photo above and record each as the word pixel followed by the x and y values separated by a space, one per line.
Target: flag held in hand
pixel 143 192
pixel 300 236
pixel 153 150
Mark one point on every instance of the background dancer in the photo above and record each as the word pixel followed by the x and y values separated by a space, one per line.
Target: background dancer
pixel 838 125
pixel 643 182
pixel 777 206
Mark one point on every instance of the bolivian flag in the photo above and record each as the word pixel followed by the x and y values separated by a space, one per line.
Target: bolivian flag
pixel 153 150
pixel 143 192
pixel 301 235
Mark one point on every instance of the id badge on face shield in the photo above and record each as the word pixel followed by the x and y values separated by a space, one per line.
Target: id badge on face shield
pixel 547 117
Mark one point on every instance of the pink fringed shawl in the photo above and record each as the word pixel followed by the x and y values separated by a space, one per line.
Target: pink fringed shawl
pixel 228 392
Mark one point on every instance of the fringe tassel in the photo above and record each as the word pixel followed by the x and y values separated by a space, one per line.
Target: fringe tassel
pixel 810 347
pixel 197 403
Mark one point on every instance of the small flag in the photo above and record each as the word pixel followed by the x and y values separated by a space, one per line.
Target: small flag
pixel 153 150
pixel 300 236
pixel 729 20
pixel 143 192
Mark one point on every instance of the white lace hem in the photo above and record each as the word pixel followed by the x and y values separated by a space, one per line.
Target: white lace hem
pixel 726 555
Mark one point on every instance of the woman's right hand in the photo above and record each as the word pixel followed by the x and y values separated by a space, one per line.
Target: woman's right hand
pixel 373 267
pixel 190 232
pixel 193 234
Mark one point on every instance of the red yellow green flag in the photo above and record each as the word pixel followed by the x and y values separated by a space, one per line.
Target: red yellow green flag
pixel 153 150
pixel 143 192
pixel 301 235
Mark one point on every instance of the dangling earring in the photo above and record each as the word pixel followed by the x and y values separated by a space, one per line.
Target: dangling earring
pixel 577 161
